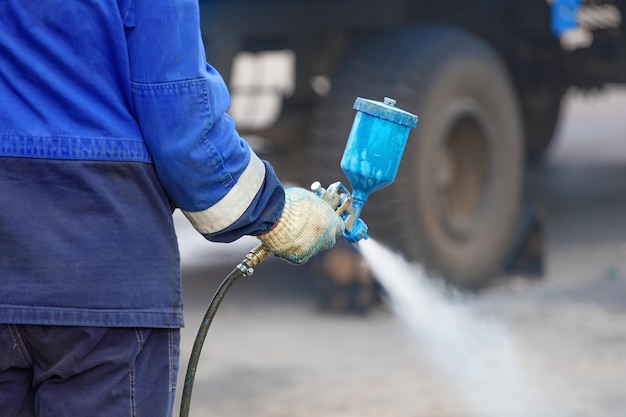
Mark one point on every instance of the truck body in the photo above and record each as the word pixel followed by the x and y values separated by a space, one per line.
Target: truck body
pixel 486 79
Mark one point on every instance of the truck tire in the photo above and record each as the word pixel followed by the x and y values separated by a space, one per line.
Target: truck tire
pixel 541 108
pixel 454 204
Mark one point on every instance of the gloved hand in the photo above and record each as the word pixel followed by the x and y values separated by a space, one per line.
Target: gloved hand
pixel 307 225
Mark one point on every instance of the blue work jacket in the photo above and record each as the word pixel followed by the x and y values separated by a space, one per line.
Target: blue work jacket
pixel 109 117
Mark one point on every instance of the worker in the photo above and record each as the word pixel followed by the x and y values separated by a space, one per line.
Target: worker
pixel 110 119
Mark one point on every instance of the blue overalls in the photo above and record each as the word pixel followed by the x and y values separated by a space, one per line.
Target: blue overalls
pixel 109 117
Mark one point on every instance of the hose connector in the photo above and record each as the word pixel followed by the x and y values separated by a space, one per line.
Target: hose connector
pixel 252 259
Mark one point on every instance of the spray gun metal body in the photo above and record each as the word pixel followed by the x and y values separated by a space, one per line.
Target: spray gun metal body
pixel 340 199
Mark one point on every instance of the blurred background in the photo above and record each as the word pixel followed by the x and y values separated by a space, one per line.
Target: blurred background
pixel 511 191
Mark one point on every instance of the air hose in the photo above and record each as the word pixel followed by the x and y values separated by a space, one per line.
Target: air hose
pixel 244 269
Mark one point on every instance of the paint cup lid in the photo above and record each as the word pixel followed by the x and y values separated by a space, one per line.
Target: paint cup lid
pixel 385 110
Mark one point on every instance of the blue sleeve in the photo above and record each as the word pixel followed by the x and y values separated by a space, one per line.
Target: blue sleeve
pixel 180 101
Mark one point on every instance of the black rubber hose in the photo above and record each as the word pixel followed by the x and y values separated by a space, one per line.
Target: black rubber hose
pixel 201 336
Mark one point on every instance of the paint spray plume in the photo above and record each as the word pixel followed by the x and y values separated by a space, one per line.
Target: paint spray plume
pixel 477 354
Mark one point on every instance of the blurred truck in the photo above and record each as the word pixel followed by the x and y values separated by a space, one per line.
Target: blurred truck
pixel 485 77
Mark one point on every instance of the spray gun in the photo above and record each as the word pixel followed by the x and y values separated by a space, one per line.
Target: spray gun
pixel 370 161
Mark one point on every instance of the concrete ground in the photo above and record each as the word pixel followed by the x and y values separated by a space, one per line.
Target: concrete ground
pixel 272 353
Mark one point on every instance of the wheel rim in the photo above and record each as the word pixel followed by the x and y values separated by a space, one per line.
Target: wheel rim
pixel 461 168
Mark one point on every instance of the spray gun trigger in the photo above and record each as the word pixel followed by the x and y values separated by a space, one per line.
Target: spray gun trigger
pixel 344 206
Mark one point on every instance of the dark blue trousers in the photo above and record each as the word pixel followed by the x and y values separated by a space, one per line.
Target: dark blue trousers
pixel 50 371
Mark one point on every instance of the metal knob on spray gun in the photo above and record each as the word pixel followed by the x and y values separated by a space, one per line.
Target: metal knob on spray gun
pixel 370 161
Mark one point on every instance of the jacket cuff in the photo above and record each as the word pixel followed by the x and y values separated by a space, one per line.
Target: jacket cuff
pixel 234 204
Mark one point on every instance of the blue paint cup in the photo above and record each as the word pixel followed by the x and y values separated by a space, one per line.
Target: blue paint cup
pixel 375 146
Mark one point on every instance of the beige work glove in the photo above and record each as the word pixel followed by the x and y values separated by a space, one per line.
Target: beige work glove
pixel 306 226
